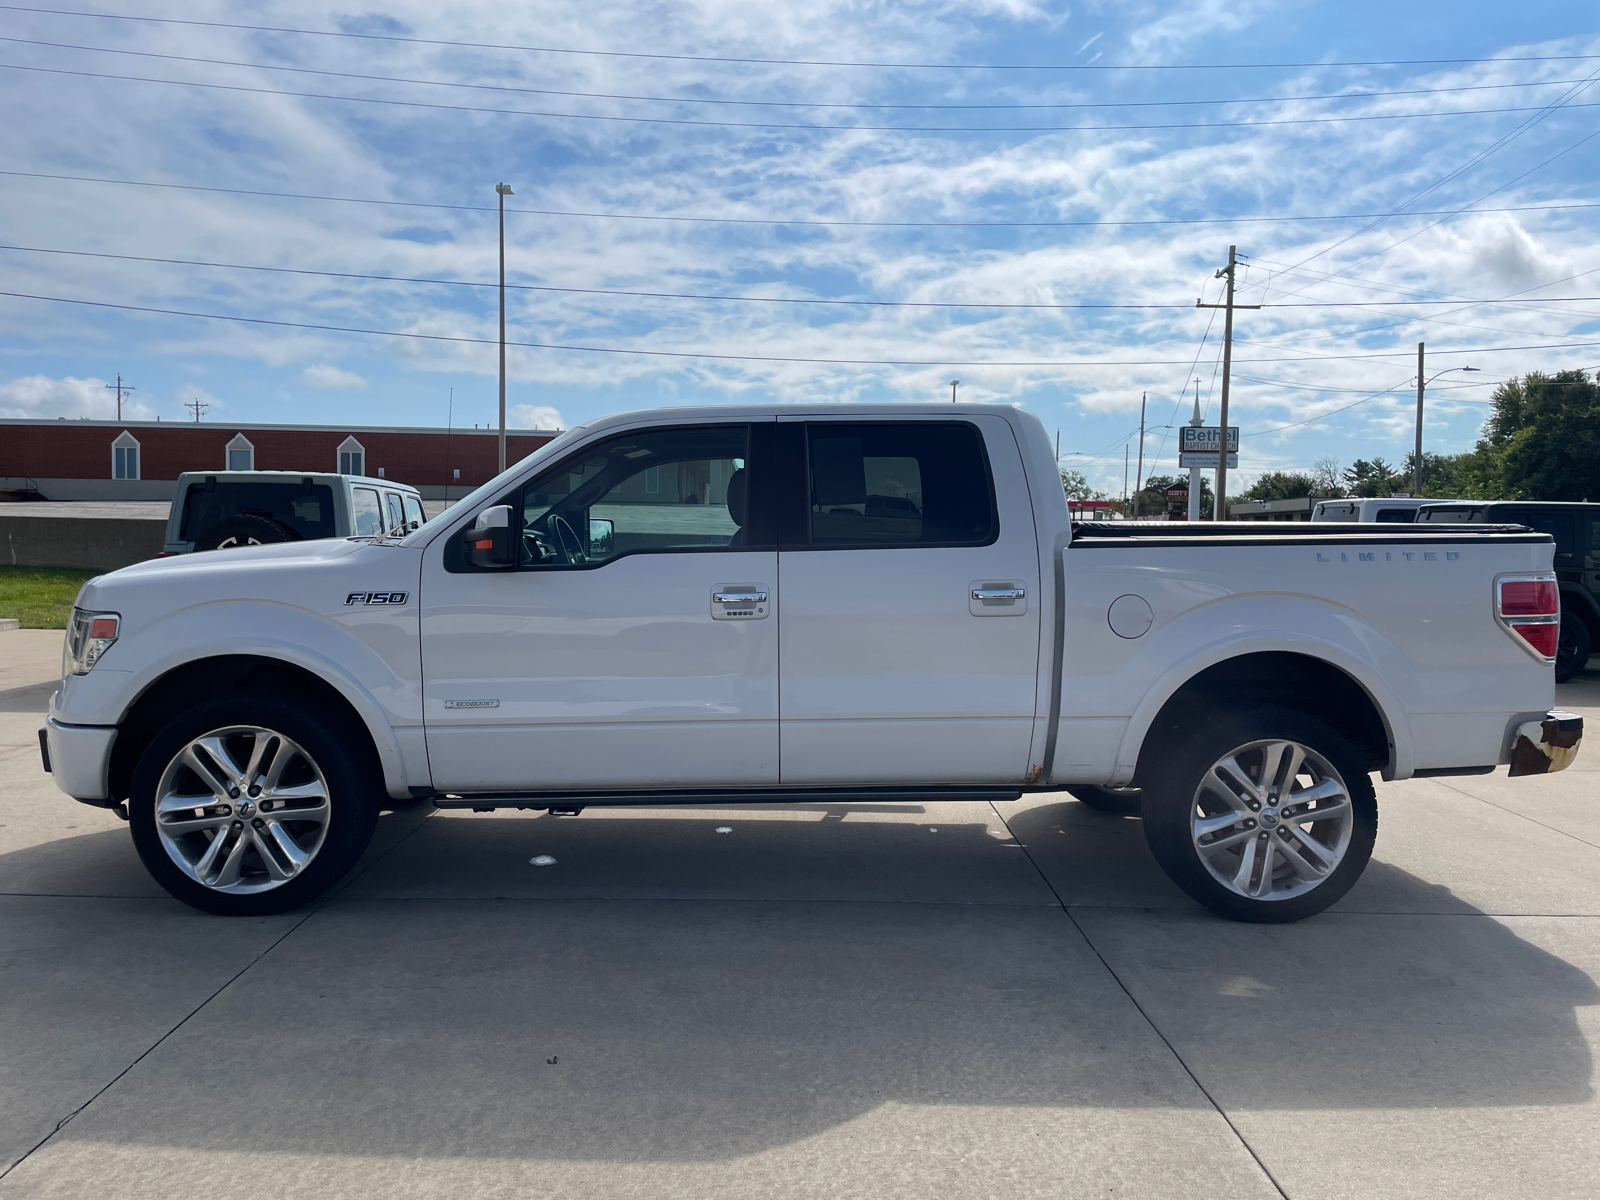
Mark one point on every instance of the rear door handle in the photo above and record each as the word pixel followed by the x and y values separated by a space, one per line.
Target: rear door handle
pixel 739 597
pixel 1011 593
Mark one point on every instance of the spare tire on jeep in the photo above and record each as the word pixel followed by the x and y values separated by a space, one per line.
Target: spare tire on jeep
pixel 245 529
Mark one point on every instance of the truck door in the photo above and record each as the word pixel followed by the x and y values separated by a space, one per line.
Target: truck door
pixel 910 625
pixel 634 645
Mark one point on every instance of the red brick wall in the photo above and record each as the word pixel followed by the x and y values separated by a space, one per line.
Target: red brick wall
pixel 82 450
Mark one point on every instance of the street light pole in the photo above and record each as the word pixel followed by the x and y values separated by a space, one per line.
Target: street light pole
pixel 503 190
pixel 1422 383
pixel 954 383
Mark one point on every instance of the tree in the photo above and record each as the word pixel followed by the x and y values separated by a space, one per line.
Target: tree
pixel 1281 485
pixel 1368 479
pixel 1542 439
pixel 1153 496
pixel 1326 473
pixel 1076 485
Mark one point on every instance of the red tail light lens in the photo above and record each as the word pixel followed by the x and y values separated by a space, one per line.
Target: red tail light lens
pixel 1542 638
pixel 1529 598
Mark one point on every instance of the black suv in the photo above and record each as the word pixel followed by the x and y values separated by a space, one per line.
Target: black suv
pixel 1576 530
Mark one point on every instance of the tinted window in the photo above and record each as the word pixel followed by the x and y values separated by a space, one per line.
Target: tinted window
pixel 366 518
pixel 899 485
pixel 307 508
pixel 1557 525
pixel 414 517
pixel 655 489
pixel 396 514
pixel 1397 516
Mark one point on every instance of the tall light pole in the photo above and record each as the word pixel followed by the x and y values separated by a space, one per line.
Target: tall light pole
pixel 503 190
pixel 1416 475
pixel 954 383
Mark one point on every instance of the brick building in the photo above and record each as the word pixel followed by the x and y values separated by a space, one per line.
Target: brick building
pixel 141 460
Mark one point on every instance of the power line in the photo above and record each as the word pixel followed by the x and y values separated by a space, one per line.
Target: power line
pixel 790 127
pixel 790 62
pixel 858 107
pixel 609 216
pixel 579 291
pixel 864 362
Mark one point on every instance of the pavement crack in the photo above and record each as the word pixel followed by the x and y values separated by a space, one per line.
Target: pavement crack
pixel 229 982
pixel 1515 813
pixel 1149 1020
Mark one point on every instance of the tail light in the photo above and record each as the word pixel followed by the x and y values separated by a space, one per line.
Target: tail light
pixel 1529 606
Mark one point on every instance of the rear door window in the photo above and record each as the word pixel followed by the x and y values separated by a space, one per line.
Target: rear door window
pixel 366 517
pixel 1558 525
pixel 306 509
pixel 903 484
pixel 414 517
pixel 395 513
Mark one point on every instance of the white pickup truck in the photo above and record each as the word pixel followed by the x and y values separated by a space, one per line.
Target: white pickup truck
pixel 740 604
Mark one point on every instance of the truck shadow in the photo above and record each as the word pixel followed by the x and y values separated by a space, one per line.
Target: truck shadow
pixel 658 1024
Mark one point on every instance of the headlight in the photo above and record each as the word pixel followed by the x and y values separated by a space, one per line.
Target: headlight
pixel 89 636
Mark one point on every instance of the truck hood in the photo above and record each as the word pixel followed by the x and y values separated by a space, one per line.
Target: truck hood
pixel 318 575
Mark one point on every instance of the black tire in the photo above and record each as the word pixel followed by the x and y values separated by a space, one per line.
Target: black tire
pixel 245 529
pixel 1173 799
pixel 1122 801
pixel 353 793
pixel 1574 648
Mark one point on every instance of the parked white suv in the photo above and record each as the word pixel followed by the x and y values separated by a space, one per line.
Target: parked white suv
pixel 828 604
pixel 222 510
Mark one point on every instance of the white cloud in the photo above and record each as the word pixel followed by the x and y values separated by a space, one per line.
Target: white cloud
pixel 535 416
pixel 322 375
pixel 41 396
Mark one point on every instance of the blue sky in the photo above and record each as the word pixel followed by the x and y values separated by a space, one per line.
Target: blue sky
pixel 942 209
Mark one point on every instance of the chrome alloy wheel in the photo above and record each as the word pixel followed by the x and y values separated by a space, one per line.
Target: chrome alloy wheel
pixel 242 809
pixel 1271 820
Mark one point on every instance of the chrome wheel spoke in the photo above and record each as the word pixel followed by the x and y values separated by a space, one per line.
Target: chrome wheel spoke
pixel 1261 845
pixel 232 849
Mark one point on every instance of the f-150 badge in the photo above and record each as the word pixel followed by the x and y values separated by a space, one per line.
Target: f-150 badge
pixel 375 598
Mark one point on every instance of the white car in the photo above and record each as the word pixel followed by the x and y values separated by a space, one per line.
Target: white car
pixel 864 604
pixel 1390 510
pixel 223 510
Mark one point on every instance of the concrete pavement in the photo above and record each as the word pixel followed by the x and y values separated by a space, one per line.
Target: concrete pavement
pixel 880 1000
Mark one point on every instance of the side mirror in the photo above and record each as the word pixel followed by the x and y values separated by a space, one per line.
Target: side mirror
pixel 601 532
pixel 488 541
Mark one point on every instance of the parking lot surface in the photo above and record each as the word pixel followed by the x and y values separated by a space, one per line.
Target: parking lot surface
pixel 945 1000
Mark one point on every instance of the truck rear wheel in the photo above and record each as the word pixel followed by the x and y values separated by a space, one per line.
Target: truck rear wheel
pixel 1261 815
pixel 251 805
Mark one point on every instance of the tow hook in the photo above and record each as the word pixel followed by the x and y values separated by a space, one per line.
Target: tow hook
pixel 1547 745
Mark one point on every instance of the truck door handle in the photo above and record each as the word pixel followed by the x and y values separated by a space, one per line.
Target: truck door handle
pixel 739 597
pixel 1011 593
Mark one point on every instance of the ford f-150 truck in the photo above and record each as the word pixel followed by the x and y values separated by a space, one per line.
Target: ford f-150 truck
pixel 740 604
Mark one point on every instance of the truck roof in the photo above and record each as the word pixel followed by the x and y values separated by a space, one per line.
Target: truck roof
pixel 288 475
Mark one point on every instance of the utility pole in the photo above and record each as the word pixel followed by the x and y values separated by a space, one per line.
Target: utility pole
pixel 502 190
pixel 449 423
pixel 1139 475
pixel 197 407
pixel 1124 475
pixel 119 387
pixel 953 384
pixel 1416 478
pixel 1229 272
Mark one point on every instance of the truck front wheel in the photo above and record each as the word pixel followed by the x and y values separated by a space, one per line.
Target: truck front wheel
pixel 251 805
pixel 1261 815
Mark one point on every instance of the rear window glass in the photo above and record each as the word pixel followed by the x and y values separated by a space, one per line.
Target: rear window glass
pixel 414 517
pixel 305 508
pixel 899 485
pixel 366 518
pixel 1397 516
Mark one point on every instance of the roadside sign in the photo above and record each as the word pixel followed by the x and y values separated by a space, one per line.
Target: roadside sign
pixel 1205 439
pixel 1206 462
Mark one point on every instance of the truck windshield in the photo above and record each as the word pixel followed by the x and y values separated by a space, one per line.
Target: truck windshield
pixel 305 508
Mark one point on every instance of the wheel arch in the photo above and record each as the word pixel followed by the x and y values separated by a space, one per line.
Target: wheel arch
pixel 215 677
pixel 1310 683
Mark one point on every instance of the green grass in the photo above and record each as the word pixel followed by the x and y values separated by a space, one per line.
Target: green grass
pixel 41 596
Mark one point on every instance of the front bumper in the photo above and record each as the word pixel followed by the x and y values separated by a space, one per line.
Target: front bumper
pixel 79 759
pixel 1549 745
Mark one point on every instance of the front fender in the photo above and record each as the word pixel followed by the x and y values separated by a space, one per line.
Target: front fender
pixel 384 693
